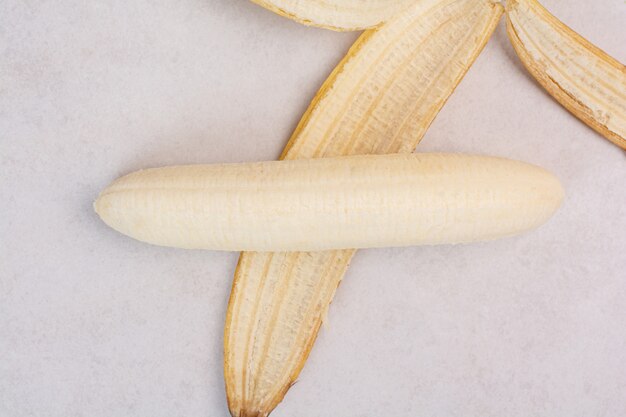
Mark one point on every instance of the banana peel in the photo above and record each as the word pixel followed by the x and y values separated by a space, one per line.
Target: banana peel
pixel 339 15
pixel 583 78
pixel 381 98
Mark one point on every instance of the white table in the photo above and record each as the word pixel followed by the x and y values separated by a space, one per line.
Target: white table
pixel 95 324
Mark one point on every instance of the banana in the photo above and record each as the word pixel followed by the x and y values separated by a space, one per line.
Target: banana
pixel 363 201
pixel 584 79
pixel 380 99
pixel 340 15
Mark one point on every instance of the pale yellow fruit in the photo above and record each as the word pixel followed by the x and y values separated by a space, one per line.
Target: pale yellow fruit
pixel 387 90
pixel 342 15
pixel 580 76
pixel 331 203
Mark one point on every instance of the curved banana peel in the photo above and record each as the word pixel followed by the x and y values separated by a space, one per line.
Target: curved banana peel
pixel 584 79
pixel 340 15
pixel 381 98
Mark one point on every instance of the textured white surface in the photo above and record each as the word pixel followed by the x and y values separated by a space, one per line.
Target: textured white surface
pixel 94 324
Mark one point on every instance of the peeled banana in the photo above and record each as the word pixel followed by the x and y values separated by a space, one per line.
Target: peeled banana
pixel 361 201
pixel 342 15
pixel 580 76
pixel 380 99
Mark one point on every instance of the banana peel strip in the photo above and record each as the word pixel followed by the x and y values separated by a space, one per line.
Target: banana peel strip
pixel 584 79
pixel 340 15
pixel 381 98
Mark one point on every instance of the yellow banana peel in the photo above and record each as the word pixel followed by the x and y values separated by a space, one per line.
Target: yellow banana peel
pixel 340 15
pixel 380 99
pixel 583 78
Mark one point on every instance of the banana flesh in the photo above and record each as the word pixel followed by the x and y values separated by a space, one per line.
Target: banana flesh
pixel 362 201
pixel 584 79
pixel 380 99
